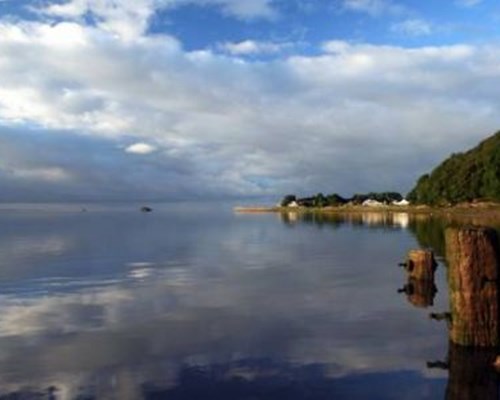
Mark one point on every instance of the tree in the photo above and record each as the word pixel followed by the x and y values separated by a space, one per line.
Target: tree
pixel 467 176
pixel 335 199
pixel 320 201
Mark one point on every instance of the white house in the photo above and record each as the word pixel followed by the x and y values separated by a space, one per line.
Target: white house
pixel 372 203
pixel 401 203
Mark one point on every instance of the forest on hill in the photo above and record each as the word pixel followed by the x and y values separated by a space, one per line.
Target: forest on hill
pixel 463 177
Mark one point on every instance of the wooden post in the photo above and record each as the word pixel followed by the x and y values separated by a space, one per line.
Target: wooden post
pixel 471 375
pixel 473 279
pixel 420 293
pixel 421 265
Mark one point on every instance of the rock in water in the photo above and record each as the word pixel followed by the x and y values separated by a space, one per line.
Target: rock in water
pixel 473 279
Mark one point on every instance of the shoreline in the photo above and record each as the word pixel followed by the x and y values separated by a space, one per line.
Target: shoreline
pixel 479 210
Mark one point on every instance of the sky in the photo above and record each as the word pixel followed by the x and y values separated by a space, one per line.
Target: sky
pixel 215 99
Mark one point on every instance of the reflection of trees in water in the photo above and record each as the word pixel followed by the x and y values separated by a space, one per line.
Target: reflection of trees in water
pixel 331 220
pixel 428 229
pixel 375 220
pixel 429 232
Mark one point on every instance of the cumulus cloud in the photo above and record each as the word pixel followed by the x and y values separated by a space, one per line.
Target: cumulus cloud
pixel 245 9
pixel 129 19
pixel 125 18
pixel 413 27
pixel 335 46
pixel 373 7
pixel 224 125
pixel 54 174
pixel 252 47
pixel 94 168
pixel 140 148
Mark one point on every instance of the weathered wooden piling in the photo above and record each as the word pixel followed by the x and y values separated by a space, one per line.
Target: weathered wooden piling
pixel 471 375
pixel 473 280
pixel 421 265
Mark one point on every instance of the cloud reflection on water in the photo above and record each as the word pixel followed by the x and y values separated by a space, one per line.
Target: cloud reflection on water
pixel 251 291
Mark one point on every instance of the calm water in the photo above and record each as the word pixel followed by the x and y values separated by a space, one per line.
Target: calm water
pixel 205 304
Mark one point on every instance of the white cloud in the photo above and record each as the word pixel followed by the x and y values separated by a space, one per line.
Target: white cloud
pixel 373 7
pixel 246 9
pixel 252 47
pixel 469 3
pixel 129 19
pixel 413 27
pixel 335 46
pixel 126 18
pixel 48 174
pixel 140 148
pixel 230 126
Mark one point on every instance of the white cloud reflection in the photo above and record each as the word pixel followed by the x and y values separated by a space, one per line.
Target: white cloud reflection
pixel 177 315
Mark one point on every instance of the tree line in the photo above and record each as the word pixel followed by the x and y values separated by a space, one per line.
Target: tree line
pixel 463 177
pixel 332 200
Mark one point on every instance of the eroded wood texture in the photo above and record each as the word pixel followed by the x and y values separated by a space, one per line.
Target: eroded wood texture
pixel 473 279
pixel 471 375
pixel 421 265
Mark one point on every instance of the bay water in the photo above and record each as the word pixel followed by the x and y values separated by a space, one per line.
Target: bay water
pixel 187 302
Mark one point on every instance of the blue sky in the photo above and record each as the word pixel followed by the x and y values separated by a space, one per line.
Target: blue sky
pixel 191 99
pixel 309 23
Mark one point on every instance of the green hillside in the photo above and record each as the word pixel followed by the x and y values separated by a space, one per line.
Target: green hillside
pixel 463 177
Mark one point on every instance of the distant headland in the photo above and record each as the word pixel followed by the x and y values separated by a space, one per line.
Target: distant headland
pixel 464 181
pixel 463 177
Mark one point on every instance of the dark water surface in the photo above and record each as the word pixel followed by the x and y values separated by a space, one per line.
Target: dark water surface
pixel 184 303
